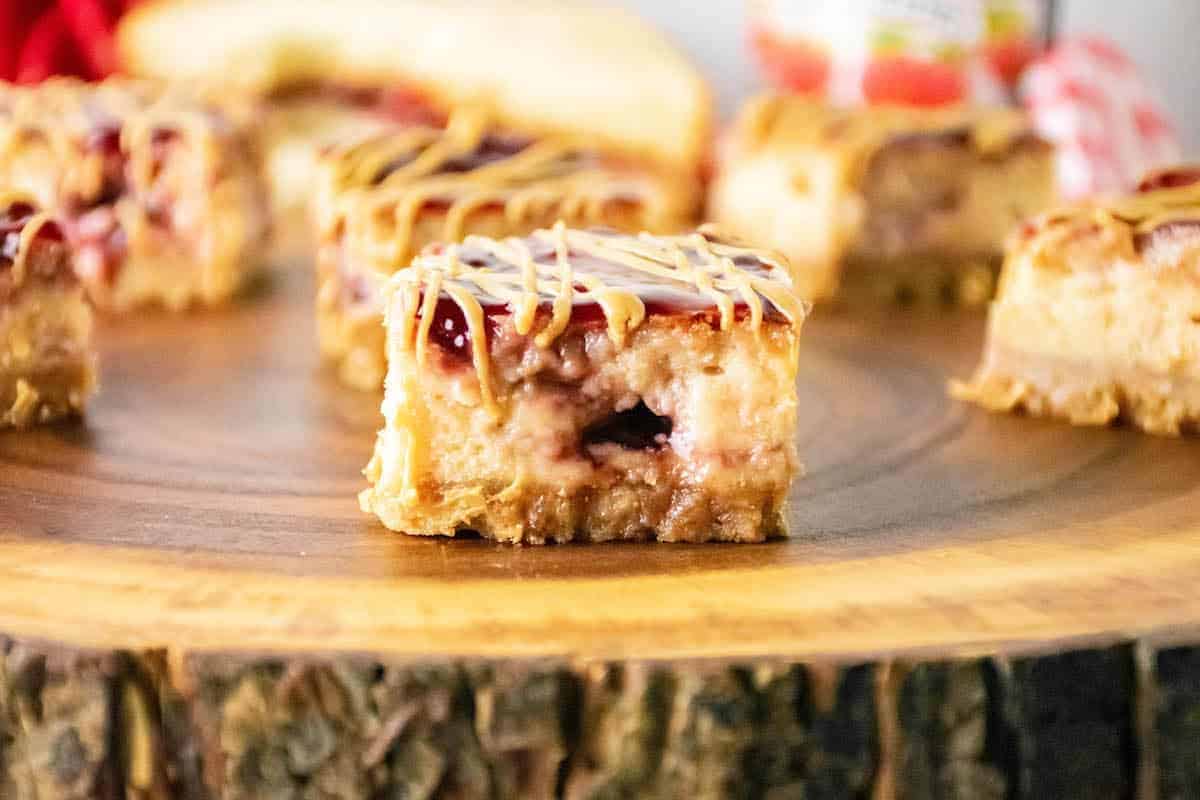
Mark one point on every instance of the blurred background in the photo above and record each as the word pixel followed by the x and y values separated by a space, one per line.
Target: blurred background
pixel 1160 35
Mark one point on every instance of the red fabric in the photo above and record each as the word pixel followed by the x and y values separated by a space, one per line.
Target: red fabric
pixel 40 38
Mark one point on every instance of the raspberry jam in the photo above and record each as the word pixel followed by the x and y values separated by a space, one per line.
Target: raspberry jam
pixel 13 220
pixel 1170 179
pixel 493 148
pixel 105 141
pixel 449 330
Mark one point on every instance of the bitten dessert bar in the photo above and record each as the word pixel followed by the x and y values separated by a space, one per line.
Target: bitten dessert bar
pixel 882 203
pixel 380 200
pixel 47 368
pixel 1098 313
pixel 591 386
pixel 157 193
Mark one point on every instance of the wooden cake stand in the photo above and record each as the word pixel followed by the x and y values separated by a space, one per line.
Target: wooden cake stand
pixel 972 605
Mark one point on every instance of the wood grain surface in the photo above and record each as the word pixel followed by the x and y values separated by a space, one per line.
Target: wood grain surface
pixel 971 605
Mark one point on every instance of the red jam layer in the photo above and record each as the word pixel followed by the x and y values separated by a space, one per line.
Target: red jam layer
pixel 1170 179
pixel 449 330
pixel 492 149
pixel 13 220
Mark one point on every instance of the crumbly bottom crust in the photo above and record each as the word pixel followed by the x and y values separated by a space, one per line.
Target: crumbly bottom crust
pixel 929 281
pixel 630 512
pixel 33 396
pixel 1084 393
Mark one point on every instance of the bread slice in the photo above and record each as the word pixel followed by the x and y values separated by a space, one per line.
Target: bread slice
pixel 539 66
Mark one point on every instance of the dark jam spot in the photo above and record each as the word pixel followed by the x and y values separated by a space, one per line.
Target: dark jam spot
pixel 949 138
pixel 493 148
pixel 105 139
pixel 1170 179
pixel 391 167
pixel 637 428
pixel 450 332
pixel 161 142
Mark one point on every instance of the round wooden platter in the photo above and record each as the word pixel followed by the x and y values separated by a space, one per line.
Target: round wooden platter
pixel 971 605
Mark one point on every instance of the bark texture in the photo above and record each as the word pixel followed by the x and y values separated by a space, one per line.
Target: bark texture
pixel 1113 722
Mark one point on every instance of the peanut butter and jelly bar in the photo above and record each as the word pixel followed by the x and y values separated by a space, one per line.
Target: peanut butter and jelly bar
pixel 882 203
pixel 1097 318
pixel 589 386
pixel 47 368
pixel 380 200
pixel 158 194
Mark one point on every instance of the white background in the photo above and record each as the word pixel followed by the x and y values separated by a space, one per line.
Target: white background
pixel 1162 36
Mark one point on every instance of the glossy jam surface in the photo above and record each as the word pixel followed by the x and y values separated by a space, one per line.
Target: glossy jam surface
pixel 449 330
pixel 492 149
pixel 105 141
pixel 13 220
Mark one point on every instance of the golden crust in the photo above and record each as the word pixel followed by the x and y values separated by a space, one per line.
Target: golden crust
pixel 522 61
pixel 160 170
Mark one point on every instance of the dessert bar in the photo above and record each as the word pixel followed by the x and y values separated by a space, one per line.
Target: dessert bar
pixel 539 67
pixel 47 368
pixel 1098 313
pixel 589 386
pixel 882 203
pixel 378 201
pixel 158 194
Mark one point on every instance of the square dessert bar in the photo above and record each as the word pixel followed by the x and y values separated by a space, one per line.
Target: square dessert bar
pixel 883 203
pixel 47 368
pixel 1098 313
pixel 380 200
pixel 589 386
pixel 158 194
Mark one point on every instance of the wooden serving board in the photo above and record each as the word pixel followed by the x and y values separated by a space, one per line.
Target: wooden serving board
pixel 971 606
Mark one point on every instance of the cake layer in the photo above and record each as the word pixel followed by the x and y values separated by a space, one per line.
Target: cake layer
pixel 831 187
pixel 158 194
pixel 380 200
pixel 1098 313
pixel 589 386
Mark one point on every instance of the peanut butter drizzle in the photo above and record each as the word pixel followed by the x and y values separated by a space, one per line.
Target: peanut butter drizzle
pixel 557 172
pixel 673 268
pixel 859 133
pixel 29 233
